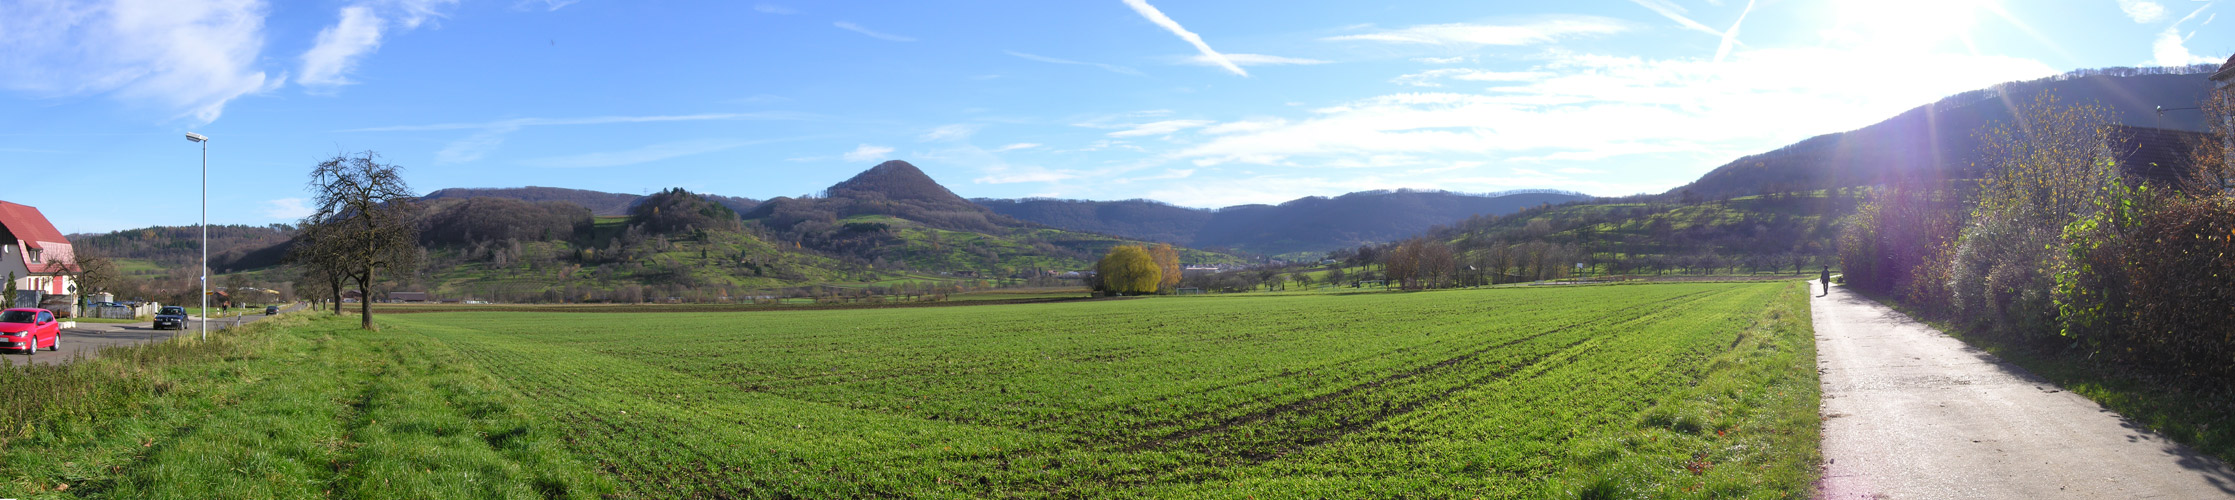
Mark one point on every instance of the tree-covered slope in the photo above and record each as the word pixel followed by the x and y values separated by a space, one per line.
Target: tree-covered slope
pixel 1311 224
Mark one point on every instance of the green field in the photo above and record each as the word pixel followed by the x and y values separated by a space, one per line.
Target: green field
pixel 1679 390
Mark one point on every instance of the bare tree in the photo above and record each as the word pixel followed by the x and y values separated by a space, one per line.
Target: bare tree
pixel 96 272
pixel 366 212
pixel 323 273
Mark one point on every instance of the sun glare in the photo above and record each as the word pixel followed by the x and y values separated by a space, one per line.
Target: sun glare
pixel 1904 25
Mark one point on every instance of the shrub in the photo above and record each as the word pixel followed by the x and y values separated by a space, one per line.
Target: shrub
pixel 1998 278
pixel 2183 264
pixel 1894 239
pixel 2092 276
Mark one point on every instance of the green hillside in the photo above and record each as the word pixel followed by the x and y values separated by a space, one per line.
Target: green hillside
pixel 913 245
pixel 1782 231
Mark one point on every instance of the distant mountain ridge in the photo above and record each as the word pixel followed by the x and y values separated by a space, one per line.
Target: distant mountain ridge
pixel 599 202
pixel 1940 140
pixel 897 188
pixel 1309 224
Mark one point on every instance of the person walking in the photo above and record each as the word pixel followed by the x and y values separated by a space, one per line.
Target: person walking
pixel 1827 281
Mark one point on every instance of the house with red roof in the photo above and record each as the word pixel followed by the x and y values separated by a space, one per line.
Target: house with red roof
pixel 33 251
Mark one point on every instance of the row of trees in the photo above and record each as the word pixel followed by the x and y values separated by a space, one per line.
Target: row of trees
pixel 2059 249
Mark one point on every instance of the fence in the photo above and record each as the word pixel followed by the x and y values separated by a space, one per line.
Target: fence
pixel 122 312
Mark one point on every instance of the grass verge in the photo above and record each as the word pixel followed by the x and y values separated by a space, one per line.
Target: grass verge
pixel 292 407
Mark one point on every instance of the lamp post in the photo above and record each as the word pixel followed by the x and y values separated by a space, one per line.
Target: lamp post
pixel 205 141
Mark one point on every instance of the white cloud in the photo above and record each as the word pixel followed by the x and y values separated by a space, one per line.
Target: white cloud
pixel 287 208
pixel 1464 35
pixel 2142 11
pixel 488 136
pixel 1245 126
pixel 594 120
pixel 2171 50
pixel 951 132
pixel 1434 77
pixel 548 5
pixel 1053 60
pixel 340 46
pixel 1676 13
pixel 1439 60
pixel 1017 146
pixel 358 32
pixel 769 8
pixel 1588 107
pixel 1013 175
pixel 646 154
pixel 872 33
pixel 1248 60
pixel 1165 127
pixel 1143 8
pixel 188 57
pixel 866 153
pixel 1169 174
pixel 474 147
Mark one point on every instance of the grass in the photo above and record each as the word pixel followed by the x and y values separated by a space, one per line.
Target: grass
pixel 1663 391
pixel 386 417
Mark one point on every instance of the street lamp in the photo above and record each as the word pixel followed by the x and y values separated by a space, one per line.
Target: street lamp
pixel 205 141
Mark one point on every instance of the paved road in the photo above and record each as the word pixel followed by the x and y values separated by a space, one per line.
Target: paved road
pixel 88 338
pixel 1912 413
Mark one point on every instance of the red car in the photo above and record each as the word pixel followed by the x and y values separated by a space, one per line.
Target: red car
pixel 29 329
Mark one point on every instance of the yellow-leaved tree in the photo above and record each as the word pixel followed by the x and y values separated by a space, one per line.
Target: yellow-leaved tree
pixel 1128 270
pixel 1168 263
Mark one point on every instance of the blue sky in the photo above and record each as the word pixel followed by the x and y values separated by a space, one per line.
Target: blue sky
pixel 1196 103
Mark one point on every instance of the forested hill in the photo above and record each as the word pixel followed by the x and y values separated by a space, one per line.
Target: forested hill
pixel 1312 224
pixel 893 188
pixel 233 248
pixel 1940 140
pixel 1142 219
pixel 599 202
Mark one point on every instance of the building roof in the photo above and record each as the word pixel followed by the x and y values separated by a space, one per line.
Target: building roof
pixel 2226 70
pixel 36 232
pixel 29 225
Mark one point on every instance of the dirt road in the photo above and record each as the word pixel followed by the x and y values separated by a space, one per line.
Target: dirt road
pixel 88 338
pixel 1912 413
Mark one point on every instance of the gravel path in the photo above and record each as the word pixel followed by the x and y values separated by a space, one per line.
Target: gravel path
pixel 1912 413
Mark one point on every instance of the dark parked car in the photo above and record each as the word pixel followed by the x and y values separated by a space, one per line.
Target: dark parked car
pixel 172 317
pixel 271 310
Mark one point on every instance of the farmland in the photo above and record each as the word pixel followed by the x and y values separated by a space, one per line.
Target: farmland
pixel 1674 390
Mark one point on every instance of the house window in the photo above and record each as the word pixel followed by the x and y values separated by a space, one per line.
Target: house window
pixel 34 255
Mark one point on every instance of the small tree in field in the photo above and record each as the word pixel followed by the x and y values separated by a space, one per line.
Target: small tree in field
pixel 1129 269
pixel 1167 265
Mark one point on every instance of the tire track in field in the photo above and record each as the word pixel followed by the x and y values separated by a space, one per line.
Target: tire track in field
pixel 1323 435
pixel 684 449
pixel 1364 390
pixel 1477 349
